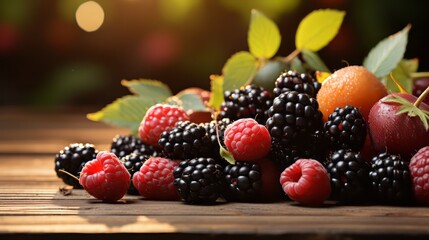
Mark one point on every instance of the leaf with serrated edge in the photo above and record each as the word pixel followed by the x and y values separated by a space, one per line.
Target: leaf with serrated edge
pixel 314 61
pixel 263 37
pixel 238 70
pixel 402 74
pixel 191 101
pixel 386 55
pixel 318 28
pixel 409 108
pixel 125 112
pixel 147 88
pixel 216 94
pixel 226 155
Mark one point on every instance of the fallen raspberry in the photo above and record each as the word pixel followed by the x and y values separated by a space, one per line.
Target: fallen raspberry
pixel 160 118
pixel 155 179
pixel 247 140
pixel 105 177
pixel 307 182
pixel 419 169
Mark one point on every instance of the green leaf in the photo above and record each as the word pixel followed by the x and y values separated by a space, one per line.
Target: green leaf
pixel 263 37
pixel 313 60
pixel 125 112
pixel 216 95
pixel 191 101
pixel 226 155
pixel 384 57
pixel 239 70
pixel 318 28
pixel 410 109
pixel 151 89
pixel 296 64
pixel 402 73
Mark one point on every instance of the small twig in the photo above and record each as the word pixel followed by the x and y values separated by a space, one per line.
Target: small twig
pixel 422 97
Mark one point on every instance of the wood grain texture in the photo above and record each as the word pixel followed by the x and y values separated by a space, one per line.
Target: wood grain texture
pixel 31 206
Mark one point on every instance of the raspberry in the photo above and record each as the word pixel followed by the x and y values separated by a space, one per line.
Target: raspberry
pixel 251 101
pixel 390 179
pixel 306 181
pixel 124 145
pixel 160 118
pixel 294 81
pixel 105 177
pixel 155 179
pixel 71 159
pixel 247 140
pixel 346 128
pixel 419 168
pixel 199 180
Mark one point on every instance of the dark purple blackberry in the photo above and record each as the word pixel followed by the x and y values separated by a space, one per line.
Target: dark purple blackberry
pixel 243 182
pixel 199 180
pixel 251 101
pixel 185 141
pixel 133 162
pixel 72 159
pixel 390 179
pixel 314 146
pixel 284 155
pixel 349 176
pixel 211 131
pixel 293 116
pixel 299 82
pixel 346 129
pixel 124 145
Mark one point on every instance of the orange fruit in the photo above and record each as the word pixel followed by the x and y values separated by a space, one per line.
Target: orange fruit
pixel 352 85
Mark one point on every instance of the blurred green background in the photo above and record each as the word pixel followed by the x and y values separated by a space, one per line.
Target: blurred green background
pixel 47 60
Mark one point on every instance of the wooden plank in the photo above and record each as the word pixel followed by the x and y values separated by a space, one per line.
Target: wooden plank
pixel 214 224
pixel 32 207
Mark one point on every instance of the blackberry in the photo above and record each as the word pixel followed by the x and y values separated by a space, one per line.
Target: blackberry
pixel 390 179
pixel 346 128
pixel 72 159
pixel 283 155
pixel 243 182
pixel 211 132
pixel 124 145
pixel 199 180
pixel 185 141
pixel 349 176
pixel 133 162
pixel 293 116
pixel 251 101
pixel 316 146
pixel 299 82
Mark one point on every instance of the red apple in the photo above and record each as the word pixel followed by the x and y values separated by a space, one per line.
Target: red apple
pixel 398 133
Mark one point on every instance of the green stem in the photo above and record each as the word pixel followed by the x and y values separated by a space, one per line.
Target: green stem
pixel 419 75
pixel 71 175
pixel 289 57
pixel 422 97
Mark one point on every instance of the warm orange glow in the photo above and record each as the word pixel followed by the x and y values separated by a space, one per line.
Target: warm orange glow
pixel 90 16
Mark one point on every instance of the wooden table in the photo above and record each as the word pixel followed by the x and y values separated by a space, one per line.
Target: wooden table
pixel 31 206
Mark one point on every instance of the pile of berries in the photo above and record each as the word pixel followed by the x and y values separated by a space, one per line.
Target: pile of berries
pixel 316 142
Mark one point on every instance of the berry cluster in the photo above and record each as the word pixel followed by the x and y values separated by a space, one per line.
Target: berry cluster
pixel 259 145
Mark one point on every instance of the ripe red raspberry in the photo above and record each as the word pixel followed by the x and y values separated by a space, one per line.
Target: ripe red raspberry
pixel 155 179
pixel 247 140
pixel 307 182
pixel 105 177
pixel 160 118
pixel 419 169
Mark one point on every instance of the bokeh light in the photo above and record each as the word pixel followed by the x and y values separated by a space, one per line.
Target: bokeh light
pixel 90 16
